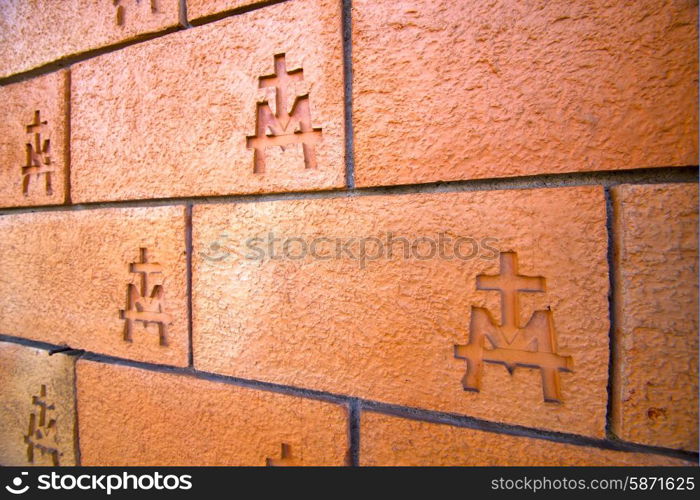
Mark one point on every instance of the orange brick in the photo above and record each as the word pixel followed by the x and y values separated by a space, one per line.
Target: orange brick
pixel 67 278
pixel 173 117
pixel 37 414
pixel 655 398
pixel 130 416
pixel 446 90
pixel 200 8
pixel 33 141
pixel 42 31
pixel 386 329
pixel 394 441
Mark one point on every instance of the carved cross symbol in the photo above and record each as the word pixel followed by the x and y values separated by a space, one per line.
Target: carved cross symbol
pixel 533 346
pixel 42 434
pixel 38 159
pixel 283 123
pixel 146 303
pixel 281 79
pixel 285 460
pixel 509 283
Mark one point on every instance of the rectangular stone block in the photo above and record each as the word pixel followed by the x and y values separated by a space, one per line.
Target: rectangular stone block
pixel 34 141
pixel 448 90
pixel 37 414
pixel 109 280
pixel 130 416
pixel 43 31
pixel 655 396
pixel 394 441
pixel 396 299
pixel 196 112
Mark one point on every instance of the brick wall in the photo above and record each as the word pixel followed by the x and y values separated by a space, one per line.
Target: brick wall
pixel 348 232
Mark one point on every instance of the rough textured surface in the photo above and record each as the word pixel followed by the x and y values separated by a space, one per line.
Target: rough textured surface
pixel 200 8
pixel 447 90
pixel 656 359
pixel 65 276
pixel 394 441
pixel 19 127
pixel 172 117
pixel 130 416
pixel 41 31
pixel 387 331
pixel 24 371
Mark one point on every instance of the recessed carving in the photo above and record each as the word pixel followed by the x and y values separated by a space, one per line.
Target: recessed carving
pixel 38 160
pixel 283 127
pixel 286 459
pixel 146 303
pixel 41 436
pixel 119 13
pixel 533 346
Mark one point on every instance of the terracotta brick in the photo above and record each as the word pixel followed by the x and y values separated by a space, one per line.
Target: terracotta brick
pixel 656 293
pixel 386 329
pixel 42 31
pixel 173 117
pixel 446 90
pixel 394 441
pixel 34 141
pixel 130 416
pixel 67 277
pixel 38 397
pixel 200 8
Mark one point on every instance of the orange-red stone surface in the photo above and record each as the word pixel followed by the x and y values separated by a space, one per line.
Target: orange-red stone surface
pixel 129 416
pixel 38 32
pixel 37 407
pixel 388 440
pixel 656 293
pixel 68 275
pixel 176 116
pixel 200 8
pixel 33 140
pixel 446 90
pixel 387 328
